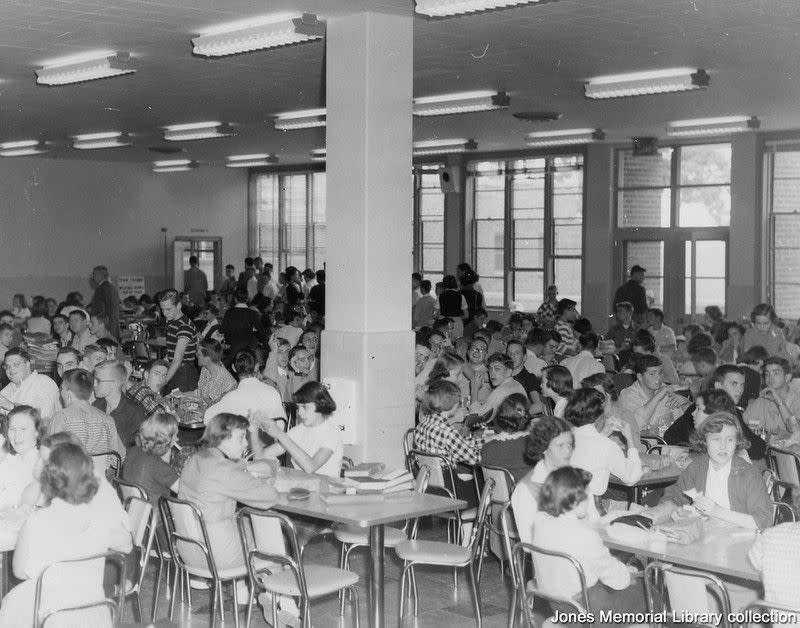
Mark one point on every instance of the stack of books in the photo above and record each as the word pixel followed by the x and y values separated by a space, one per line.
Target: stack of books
pixel 383 482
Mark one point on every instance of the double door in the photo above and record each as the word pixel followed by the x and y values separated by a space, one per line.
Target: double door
pixel 687 269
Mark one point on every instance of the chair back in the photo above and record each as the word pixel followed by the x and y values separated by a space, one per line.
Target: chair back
pixel 142 517
pixel 126 490
pixel 89 606
pixel 422 479
pixel 269 538
pixel 785 464
pixel 441 471
pixel 685 590
pixel 525 556
pixel 504 482
pixel 187 535
pixel 408 445
pixel 108 463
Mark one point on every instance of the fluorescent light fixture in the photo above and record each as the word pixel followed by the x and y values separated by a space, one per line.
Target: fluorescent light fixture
pixel 251 161
pixel 464 102
pixel 564 137
pixel 644 83
pixel 77 69
pixel 305 119
pixel 174 165
pixel 712 126
pixel 442 147
pixel 258 33
pixel 319 154
pixel 112 139
pixel 443 8
pixel 197 131
pixel 22 148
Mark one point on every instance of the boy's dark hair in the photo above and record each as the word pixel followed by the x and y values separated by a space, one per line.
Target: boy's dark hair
pixel 777 361
pixel 564 305
pixel 442 395
pixel 699 341
pixel 640 362
pixel 624 305
pixel 537 337
pixel 754 355
pixel 659 314
pixel 723 371
pixel 493 327
pixel 500 358
pixel 589 341
pixel 425 286
pixel 563 490
pixel 582 326
pixel 645 340
pixel 706 355
pixel 584 407
pixel 559 379
pixel 733 325
pixel 417 276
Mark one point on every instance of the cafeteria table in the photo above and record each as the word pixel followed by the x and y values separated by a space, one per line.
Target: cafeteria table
pixel 721 550
pixel 372 515
pixel 660 478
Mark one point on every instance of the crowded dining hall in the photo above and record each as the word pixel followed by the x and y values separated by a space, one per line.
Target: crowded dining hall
pixel 254 374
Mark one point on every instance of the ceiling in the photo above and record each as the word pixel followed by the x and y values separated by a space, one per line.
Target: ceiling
pixel 539 53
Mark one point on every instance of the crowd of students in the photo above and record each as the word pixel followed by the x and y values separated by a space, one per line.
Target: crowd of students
pixel 563 408
pixel 243 353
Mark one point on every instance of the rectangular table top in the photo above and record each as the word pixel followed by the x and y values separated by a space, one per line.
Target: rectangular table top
pixel 722 550
pixel 363 515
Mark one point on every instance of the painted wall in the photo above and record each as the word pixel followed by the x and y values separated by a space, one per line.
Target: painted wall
pixel 60 218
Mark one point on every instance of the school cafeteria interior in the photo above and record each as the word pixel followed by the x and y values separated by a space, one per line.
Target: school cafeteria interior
pixel 399 312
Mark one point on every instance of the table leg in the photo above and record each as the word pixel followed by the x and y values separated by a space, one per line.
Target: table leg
pixel 376 576
pixel 4 573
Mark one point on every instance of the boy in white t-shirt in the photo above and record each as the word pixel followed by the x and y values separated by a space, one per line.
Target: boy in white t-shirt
pixel 315 445
pixel 664 336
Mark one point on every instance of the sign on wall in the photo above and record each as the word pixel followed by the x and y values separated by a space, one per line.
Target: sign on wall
pixel 130 286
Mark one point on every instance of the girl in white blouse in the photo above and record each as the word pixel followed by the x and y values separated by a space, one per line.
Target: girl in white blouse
pixel 562 526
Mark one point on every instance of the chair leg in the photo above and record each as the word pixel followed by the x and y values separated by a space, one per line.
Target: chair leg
pixel 156 588
pixel 342 559
pixel 403 576
pixel 354 604
pixel 476 595
pixel 512 608
pixel 235 604
pixel 137 607
pixel 274 610
pixel 221 604
pixel 214 594
pixel 175 578
pixel 250 599
pixel 414 591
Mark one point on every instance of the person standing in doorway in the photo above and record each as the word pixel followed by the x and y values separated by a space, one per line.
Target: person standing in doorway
pixel 634 293
pixel 195 282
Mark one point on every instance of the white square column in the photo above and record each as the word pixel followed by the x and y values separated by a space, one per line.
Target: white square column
pixel 368 337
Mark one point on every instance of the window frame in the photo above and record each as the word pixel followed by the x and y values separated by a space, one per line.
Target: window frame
pixel 549 256
pixel 418 246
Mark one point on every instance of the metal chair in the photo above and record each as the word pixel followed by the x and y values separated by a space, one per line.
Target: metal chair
pixel 442 481
pixel 785 464
pixel 653 442
pixel 81 570
pixel 526 591
pixel 110 462
pixel 782 495
pixel 129 490
pixel 190 548
pixel 414 553
pixel 686 590
pixel 352 538
pixel 274 564
pixel 408 445
pixel 142 517
pixel 504 487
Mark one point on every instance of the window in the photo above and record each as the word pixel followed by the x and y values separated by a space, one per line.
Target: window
pixel 290 219
pixel 428 223
pixel 673 212
pixel 783 168
pixel 527 228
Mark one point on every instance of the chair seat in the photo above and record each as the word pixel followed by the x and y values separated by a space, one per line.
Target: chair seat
pixel 434 552
pixel 224 574
pixel 468 514
pixel 320 580
pixel 360 536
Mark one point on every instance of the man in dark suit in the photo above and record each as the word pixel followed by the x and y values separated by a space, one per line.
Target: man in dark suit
pixel 105 300
pixel 634 293
pixel 242 326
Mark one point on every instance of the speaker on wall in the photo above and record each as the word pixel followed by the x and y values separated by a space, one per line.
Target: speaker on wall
pixel 450 179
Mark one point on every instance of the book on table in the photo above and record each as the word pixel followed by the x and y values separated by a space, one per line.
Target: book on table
pixel 392 482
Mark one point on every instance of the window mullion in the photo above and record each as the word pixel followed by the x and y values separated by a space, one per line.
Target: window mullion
pixel 509 256
pixel 549 226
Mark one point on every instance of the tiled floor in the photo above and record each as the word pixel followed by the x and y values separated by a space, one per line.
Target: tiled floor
pixel 440 604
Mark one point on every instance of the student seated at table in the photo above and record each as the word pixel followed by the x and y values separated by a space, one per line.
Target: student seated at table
pixel 67 529
pixel 61 330
pixel 500 371
pixel 562 525
pixel 301 364
pixel 594 451
pixel 778 406
pixel 644 343
pixel 215 380
pixel 663 335
pixel 436 434
pixel 729 488
pixel 584 363
pixel 604 383
pixel 548 445
pixel 536 344
pixel 507 447
pixel 216 478
pixel 26 387
pixel 652 403
pixel 315 444
pixel 276 369
pixel 98 325
pixel 147 463
pixel 24 427
pixel 475 369
pixel 765 331
pixel 557 386
pixel 38 323
pixel 447 366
